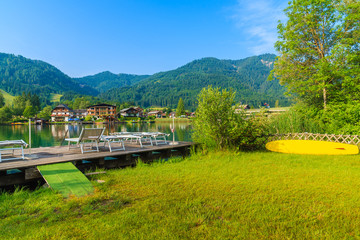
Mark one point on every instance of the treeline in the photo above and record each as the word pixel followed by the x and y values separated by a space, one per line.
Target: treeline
pixel 106 80
pixel 248 77
pixel 19 74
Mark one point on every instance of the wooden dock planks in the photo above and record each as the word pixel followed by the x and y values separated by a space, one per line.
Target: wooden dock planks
pixel 50 155
pixel 66 178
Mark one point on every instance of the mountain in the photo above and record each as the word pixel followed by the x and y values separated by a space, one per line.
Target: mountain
pixel 248 77
pixel 19 74
pixel 106 80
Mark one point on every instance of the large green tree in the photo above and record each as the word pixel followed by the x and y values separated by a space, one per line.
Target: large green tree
pixel 2 100
pixel 180 110
pixel 5 114
pixel 45 113
pixel 319 50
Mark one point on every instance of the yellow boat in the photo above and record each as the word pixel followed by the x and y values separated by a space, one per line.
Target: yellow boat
pixel 312 147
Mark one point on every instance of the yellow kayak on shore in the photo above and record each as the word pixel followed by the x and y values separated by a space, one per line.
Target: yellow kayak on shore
pixel 312 147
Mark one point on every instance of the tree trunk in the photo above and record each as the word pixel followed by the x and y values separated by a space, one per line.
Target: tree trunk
pixel 324 97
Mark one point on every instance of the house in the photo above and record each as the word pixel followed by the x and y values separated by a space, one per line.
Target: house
pixel 101 110
pixel 80 113
pixel 131 112
pixel 61 113
pixel 157 114
pixel 141 111
pixel 172 114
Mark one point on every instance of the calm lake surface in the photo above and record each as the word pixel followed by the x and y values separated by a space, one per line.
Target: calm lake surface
pixel 53 135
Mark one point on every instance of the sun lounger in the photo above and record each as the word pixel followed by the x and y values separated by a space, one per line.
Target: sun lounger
pixel 158 137
pixel 12 145
pixel 144 137
pixel 87 135
pixel 113 139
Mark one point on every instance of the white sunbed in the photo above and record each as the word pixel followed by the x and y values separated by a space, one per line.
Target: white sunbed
pixel 113 139
pixel 130 137
pixel 158 137
pixel 87 135
pixel 143 137
pixel 14 145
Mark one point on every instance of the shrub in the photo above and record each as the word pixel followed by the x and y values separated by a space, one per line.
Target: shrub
pixel 216 125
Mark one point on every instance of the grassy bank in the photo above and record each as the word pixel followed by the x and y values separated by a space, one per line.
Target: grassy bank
pixel 222 195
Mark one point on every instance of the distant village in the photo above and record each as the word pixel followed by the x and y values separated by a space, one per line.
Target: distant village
pixel 62 113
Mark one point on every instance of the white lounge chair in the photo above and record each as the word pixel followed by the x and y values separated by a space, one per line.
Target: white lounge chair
pixel 144 137
pixel 12 143
pixel 113 139
pixel 87 135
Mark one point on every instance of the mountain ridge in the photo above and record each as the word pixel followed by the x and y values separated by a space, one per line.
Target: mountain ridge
pixel 248 77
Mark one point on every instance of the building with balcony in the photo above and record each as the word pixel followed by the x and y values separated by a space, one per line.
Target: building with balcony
pixel 132 112
pixel 61 113
pixel 102 110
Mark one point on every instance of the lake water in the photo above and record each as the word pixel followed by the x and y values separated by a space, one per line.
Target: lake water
pixel 53 135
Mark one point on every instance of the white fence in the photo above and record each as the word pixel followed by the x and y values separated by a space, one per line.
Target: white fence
pixel 350 139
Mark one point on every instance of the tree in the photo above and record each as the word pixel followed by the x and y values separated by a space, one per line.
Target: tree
pixel 45 113
pixel 214 117
pixel 5 114
pixel 180 110
pixel 35 102
pixel 18 106
pixel 29 112
pixel 167 110
pixel 317 49
pixel 2 100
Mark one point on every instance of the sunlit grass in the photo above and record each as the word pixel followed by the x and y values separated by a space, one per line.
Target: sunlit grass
pixel 8 97
pixel 55 97
pixel 223 195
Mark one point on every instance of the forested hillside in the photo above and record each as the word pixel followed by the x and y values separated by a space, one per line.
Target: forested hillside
pixel 106 80
pixel 247 76
pixel 19 74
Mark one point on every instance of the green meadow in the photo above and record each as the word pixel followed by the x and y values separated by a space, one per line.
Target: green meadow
pixel 54 97
pixel 219 195
pixel 8 97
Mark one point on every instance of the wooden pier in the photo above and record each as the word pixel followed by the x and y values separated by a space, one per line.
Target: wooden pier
pixel 17 172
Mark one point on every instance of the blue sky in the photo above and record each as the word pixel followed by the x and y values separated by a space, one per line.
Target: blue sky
pixel 85 37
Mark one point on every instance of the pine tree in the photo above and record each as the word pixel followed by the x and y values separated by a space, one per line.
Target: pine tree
pixel 180 110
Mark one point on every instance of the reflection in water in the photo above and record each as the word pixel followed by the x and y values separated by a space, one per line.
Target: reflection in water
pixel 52 135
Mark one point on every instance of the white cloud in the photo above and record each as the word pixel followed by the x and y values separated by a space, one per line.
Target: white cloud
pixel 258 20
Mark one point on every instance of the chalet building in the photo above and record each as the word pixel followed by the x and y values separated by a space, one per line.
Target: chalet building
pixel 61 113
pixel 102 110
pixel 132 112
pixel 80 113
pixel 157 114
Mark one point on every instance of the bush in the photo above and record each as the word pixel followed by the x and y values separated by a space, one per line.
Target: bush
pixel 88 118
pixel 216 125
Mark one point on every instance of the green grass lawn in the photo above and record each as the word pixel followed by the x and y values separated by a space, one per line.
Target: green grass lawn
pixel 223 195
pixel 8 97
pixel 55 97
